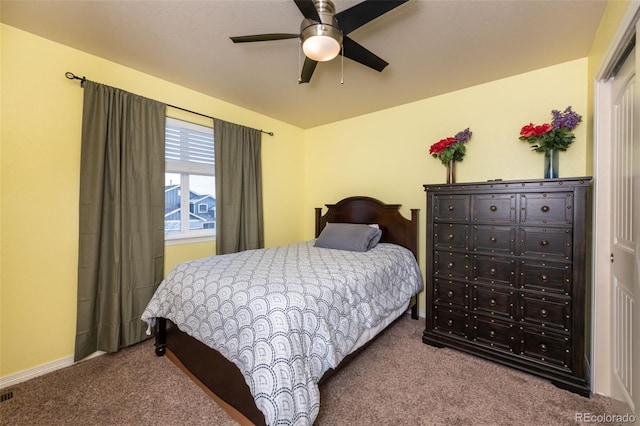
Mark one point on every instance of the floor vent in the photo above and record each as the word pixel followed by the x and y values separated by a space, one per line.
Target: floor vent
pixel 5 396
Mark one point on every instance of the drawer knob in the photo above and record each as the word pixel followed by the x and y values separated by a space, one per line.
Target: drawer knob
pixel 450 322
pixel 450 265
pixel 493 239
pixel 493 302
pixel 493 208
pixel 492 271
pixel 544 278
pixel 451 208
pixel 544 313
pixel 451 236
pixel 544 243
pixel 450 293
pixel 544 208
pixel 543 347
pixel 492 333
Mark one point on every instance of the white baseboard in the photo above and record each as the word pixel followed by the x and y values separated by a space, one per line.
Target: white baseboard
pixel 32 373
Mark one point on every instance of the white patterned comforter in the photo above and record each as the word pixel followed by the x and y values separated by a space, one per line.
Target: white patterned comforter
pixel 285 315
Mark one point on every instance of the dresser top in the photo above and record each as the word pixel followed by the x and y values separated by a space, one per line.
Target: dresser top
pixel 513 185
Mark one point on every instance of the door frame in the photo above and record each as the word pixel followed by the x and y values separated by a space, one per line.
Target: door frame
pixel 601 296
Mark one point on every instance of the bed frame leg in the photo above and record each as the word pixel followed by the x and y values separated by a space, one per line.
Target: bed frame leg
pixel 414 308
pixel 161 337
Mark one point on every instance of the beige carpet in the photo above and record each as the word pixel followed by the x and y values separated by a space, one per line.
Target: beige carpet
pixel 398 380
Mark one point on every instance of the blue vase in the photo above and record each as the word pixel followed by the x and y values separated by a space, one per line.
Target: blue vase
pixel 551 164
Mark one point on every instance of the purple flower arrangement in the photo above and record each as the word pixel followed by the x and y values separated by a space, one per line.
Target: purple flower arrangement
pixel 557 135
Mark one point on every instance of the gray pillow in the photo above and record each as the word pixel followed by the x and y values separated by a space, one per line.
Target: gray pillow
pixel 348 236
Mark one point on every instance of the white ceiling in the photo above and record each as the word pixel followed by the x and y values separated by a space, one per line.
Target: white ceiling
pixel 432 46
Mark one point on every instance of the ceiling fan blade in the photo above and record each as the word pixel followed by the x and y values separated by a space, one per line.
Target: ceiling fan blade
pixel 356 52
pixel 307 70
pixel 308 10
pixel 263 37
pixel 358 15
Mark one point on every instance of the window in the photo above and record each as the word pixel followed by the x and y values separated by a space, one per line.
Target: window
pixel 190 188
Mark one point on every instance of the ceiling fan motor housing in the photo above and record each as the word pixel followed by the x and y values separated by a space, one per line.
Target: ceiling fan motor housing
pixel 327 30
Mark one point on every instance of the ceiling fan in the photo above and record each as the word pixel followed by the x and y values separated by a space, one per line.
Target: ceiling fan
pixel 323 33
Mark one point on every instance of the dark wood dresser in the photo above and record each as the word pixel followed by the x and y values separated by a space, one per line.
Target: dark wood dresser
pixel 506 265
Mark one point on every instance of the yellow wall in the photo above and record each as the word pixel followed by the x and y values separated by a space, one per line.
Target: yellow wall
pixel 386 154
pixel 40 163
pixel 1 345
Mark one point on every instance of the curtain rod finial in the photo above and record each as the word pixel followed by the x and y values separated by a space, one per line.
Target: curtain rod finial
pixel 72 76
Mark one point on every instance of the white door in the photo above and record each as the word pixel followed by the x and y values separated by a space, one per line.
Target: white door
pixel 625 235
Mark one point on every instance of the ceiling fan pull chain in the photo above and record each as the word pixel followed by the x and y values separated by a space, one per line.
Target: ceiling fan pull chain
pixel 299 66
pixel 342 66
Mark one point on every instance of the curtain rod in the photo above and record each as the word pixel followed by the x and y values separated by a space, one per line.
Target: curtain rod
pixel 72 76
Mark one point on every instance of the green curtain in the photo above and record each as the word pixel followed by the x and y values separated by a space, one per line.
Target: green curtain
pixel 121 246
pixel 239 223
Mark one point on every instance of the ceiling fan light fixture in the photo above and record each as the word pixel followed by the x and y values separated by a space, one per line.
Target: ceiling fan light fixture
pixel 321 48
pixel 321 42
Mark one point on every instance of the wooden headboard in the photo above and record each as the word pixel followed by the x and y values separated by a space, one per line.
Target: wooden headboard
pixel 366 210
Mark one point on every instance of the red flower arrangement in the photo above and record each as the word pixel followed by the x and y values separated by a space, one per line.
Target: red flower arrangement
pixel 452 148
pixel 441 145
pixel 533 130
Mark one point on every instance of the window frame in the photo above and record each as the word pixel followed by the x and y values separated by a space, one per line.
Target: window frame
pixel 185 169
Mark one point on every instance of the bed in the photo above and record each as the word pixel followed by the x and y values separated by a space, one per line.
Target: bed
pixel 259 335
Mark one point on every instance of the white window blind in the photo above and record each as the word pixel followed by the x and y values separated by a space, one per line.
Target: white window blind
pixel 188 148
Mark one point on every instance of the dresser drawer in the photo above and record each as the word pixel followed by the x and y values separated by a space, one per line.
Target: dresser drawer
pixel 451 207
pixel 549 312
pixel 451 321
pixel 546 243
pixel 550 277
pixel 546 347
pixel 495 333
pixel 494 270
pixel 494 208
pixel 494 301
pixel 553 208
pixel 494 239
pixel 451 293
pixel 451 265
pixel 451 236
